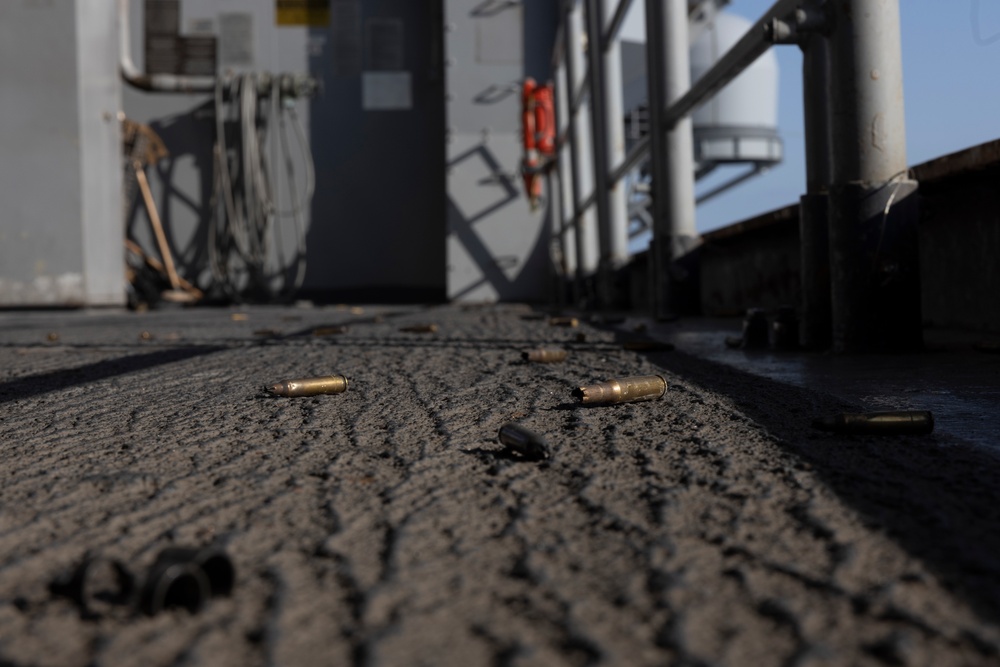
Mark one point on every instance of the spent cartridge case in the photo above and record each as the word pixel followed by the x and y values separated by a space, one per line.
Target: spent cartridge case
pixel 902 422
pixel 564 322
pixel 624 390
pixel 545 355
pixel 421 328
pixel 330 384
pixel 527 443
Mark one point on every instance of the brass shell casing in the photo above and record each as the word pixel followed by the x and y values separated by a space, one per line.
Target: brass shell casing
pixel 421 328
pixel 571 322
pixel 331 384
pixel 527 443
pixel 545 355
pixel 624 390
pixel 903 422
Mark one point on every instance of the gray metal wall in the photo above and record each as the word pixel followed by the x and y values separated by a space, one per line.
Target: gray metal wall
pixel 376 225
pixel 60 172
pixel 497 248
pixel 385 221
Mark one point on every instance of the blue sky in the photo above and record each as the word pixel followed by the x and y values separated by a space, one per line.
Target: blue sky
pixel 951 70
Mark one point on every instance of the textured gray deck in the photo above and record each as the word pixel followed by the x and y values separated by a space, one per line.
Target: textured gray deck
pixel 385 526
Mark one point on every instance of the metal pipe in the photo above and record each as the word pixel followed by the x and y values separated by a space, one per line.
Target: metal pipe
pixel 572 233
pixel 867 80
pixel 561 136
pixel 634 157
pixel 565 169
pixel 659 249
pixel 672 149
pixel 617 200
pixel 162 83
pixel 874 240
pixel 615 24
pixel 599 141
pixel 587 255
pixel 586 204
pixel 814 228
pixel 580 94
pixel 754 43
pixel 816 111
pixel 758 168
pixel 557 47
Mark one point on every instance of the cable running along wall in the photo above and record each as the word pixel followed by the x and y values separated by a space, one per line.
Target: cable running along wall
pixel 248 258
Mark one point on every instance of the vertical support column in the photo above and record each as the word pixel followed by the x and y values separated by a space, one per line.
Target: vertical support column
pixel 672 150
pixel 564 165
pixel 599 144
pixel 615 106
pixel 585 222
pixel 557 255
pixel 570 43
pixel 874 242
pixel 814 228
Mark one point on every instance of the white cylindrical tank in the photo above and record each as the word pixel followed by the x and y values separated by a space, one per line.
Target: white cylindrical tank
pixel 740 124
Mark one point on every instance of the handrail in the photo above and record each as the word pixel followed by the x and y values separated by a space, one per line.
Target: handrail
pixel 615 25
pixel 744 53
pixel 632 159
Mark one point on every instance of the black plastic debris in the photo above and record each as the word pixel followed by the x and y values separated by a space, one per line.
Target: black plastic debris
pixel 216 565
pixel 184 577
pixel 528 444
pixel 174 584
pixel 96 585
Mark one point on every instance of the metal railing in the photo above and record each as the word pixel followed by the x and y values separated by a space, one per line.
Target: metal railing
pixel 595 23
pixel 853 89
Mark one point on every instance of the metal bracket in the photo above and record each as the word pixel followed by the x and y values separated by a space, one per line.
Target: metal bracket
pixel 798 26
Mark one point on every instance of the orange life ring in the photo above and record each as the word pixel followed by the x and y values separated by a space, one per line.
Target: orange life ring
pixel 545 120
pixel 538 127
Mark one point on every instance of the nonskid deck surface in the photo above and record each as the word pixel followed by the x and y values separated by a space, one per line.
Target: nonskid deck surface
pixel 386 525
